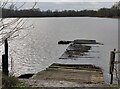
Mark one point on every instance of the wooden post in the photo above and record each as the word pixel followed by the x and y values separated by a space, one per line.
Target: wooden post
pixel 112 59
pixel 3 64
pixel 5 60
pixel 111 80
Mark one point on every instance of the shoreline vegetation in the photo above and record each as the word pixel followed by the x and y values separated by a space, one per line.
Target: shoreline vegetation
pixel 113 12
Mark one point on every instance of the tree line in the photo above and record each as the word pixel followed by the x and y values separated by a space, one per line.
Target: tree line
pixel 113 12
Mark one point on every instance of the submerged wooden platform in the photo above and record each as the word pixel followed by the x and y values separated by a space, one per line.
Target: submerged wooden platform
pixel 83 74
pixel 80 49
pixel 80 73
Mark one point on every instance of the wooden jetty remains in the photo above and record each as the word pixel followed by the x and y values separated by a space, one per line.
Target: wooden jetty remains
pixel 80 49
pixel 83 74
pixel 79 73
pixel 80 41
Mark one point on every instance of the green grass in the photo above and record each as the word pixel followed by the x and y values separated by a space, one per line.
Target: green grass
pixel 114 85
pixel 12 82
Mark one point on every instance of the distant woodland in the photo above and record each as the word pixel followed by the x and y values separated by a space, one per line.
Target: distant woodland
pixel 113 12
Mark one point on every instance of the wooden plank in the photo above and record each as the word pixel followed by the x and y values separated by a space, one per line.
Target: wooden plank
pixel 5 60
pixel 112 59
pixel 117 62
pixel 79 73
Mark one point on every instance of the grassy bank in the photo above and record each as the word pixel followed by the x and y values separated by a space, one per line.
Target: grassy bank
pixel 12 82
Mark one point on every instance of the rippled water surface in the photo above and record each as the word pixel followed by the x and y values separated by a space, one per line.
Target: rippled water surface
pixel 40 47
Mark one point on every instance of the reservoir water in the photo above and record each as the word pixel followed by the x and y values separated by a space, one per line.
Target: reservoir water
pixel 40 48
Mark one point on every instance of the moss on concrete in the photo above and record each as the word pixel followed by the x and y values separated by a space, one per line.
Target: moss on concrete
pixel 84 74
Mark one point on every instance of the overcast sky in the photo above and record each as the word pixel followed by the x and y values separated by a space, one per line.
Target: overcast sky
pixel 68 4
pixel 63 0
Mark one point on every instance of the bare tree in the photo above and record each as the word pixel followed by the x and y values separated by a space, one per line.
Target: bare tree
pixel 116 6
pixel 11 28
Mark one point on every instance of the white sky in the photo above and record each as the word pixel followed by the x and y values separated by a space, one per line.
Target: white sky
pixel 69 5
pixel 62 0
pixel 66 4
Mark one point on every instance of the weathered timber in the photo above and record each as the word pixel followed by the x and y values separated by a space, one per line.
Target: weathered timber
pixel 84 41
pixel 112 59
pixel 83 74
pixel 64 42
pixel 80 41
pixel 5 59
pixel 80 48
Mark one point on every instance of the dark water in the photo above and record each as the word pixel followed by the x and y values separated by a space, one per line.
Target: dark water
pixel 40 48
